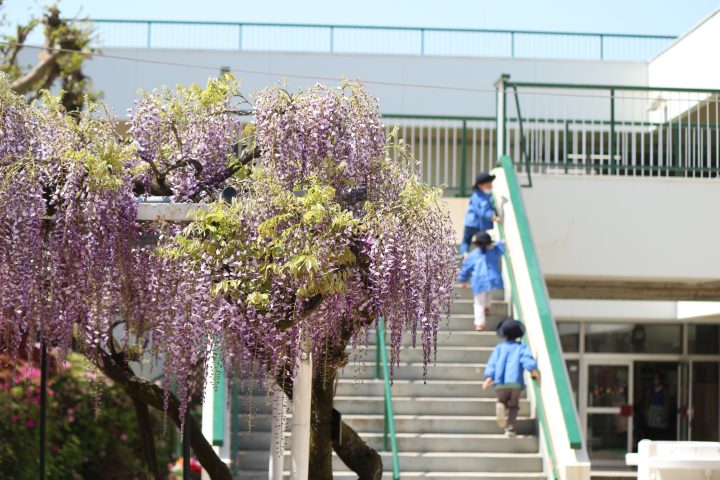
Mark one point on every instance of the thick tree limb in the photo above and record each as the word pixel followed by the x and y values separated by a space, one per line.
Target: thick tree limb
pixel 353 451
pixel 47 61
pixel 147 439
pixel 153 395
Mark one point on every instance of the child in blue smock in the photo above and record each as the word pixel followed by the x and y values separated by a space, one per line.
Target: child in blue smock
pixel 482 269
pixel 480 213
pixel 505 371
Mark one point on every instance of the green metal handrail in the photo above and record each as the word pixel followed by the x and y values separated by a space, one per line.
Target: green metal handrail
pixel 542 419
pixel 552 343
pixel 382 368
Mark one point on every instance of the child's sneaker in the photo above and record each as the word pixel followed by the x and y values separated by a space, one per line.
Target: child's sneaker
pixel 500 415
pixel 510 432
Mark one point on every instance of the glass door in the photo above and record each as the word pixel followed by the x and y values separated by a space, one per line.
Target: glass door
pixel 703 415
pixel 607 396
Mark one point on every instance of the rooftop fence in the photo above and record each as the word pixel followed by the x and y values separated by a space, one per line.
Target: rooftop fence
pixel 567 129
pixel 377 40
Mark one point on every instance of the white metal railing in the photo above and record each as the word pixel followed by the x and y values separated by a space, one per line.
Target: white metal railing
pixel 126 33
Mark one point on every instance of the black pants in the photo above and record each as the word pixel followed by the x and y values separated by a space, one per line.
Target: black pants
pixel 507 399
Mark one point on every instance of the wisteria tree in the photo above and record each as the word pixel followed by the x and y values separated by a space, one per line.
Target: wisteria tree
pixel 66 44
pixel 326 234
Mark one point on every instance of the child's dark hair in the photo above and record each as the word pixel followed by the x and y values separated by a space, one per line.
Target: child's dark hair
pixel 482 240
pixel 510 329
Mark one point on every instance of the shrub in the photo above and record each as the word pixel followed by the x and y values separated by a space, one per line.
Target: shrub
pixel 91 425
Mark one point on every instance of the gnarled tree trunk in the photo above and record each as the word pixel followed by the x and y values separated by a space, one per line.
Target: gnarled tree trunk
pixel 116 368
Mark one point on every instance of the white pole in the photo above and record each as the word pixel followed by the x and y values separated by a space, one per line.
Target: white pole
pixel 207 407
pixel 302 390
pixel 277 446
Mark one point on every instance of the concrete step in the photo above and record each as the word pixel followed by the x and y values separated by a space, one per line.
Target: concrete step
pixel 450 338
pixel 402 405
pixel 373 423
pixel 460 292
pixel 465 305
pixel 415 388
pixel 444 354
pixel 423 442
pixel 262 475
pixel 424 461
pixel 423 405
pixel 465 321
pixel 414 371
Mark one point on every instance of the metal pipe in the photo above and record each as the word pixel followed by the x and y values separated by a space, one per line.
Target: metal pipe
pixel 612 131
pixel 463 159
pixel 501 114
pixel 389 423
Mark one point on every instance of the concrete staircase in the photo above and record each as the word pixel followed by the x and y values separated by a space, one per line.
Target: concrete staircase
pixel 445 426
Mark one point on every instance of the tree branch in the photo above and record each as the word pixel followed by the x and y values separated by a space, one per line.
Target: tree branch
pixel 47 61
pixel 153 395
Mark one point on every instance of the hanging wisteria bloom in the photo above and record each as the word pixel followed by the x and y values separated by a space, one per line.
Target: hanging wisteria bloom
pixel 299 251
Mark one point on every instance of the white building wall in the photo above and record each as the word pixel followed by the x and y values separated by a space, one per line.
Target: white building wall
pixel 120 80
pixel 689 61
pixel 626 228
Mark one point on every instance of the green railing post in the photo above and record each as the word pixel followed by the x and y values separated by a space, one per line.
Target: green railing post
pixel 463 160
pixel 523 146
pixel 566 141
pixel 149 33
pixel 234 421
pixel 612 131
pixel 602 47
pixel 378 356
pixel 422 41
pixel 501 114
pixel 512 44
pixel 219 404
pixel 389 416
pixel 240 35
pixel 332 39
pixel 385 427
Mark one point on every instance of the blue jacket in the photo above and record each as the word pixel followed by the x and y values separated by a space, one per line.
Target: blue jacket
pixel 483 269
pixel 480 211
pixel 508 361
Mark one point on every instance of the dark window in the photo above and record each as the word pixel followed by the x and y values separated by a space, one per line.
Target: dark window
pixel 569 336
pixel 704 339
pixel 633 338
